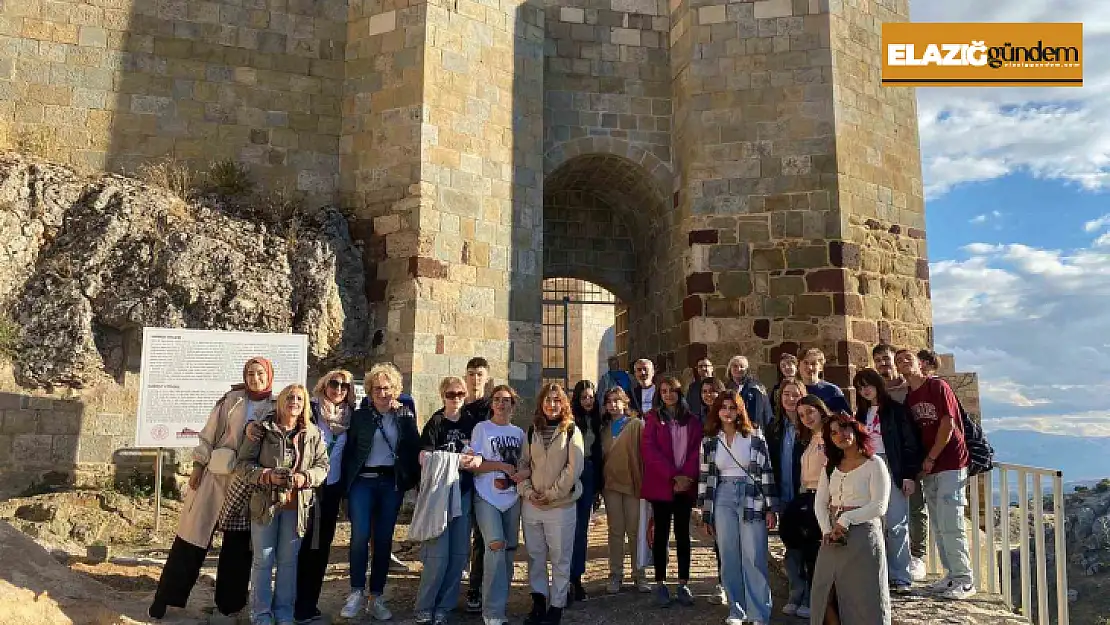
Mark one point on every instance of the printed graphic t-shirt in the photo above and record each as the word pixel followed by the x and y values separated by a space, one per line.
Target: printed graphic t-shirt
pixel 497 443
pixel 443 434
pixel 874 429
pixel 928 403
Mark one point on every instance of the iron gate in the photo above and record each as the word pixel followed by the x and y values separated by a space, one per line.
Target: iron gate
pixel 561 297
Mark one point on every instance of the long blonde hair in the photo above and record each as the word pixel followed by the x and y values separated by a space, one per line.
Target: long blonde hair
pixel 281 411
pixel 320 390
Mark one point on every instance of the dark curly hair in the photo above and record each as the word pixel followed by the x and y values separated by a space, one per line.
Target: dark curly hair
pixel 834 454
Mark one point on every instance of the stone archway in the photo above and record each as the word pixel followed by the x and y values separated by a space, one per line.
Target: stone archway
pixel 607 221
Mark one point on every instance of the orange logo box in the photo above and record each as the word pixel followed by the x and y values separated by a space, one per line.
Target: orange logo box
pixel 982 55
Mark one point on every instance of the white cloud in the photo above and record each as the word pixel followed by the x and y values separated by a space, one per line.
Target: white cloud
pixel 976 134
pixel 1032 323
pixel 1097 224
pixel 1090 423
pixel 983 218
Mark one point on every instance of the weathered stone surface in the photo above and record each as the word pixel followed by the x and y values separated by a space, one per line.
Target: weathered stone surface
pixel 159 262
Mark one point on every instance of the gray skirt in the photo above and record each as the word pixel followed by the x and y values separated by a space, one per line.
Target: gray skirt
pixel 857 573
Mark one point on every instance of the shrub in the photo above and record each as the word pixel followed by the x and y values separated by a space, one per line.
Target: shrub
pixel 9 336
pixel 229 179
pixel 171 175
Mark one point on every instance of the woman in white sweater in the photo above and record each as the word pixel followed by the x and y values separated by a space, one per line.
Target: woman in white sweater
pixel 850 580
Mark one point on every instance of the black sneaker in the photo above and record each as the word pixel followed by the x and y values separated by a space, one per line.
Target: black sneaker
pixel 157 610
pixel 578 592
pixel 539 610
pixel 554 616
pixel 683 596
pixel 474 602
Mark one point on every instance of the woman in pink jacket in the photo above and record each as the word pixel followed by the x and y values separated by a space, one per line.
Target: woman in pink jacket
pixel 672 435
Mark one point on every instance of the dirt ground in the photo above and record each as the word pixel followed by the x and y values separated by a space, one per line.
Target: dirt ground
pixel 128 584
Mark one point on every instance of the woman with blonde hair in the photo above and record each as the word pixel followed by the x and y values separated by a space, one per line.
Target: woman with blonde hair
pixel 286 463
pixel 444 557
pixel 333 403
pixel 554 456
pixel 381 461
pixel 622 469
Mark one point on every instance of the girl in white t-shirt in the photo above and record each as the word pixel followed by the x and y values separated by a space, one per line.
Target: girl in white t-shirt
pixel 497 506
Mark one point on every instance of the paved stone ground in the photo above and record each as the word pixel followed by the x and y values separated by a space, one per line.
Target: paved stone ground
pixel 628 608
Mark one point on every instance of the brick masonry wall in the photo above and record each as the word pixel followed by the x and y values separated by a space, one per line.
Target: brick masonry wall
pixel 113 84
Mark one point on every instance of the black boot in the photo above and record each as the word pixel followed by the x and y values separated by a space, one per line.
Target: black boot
pixel 539 610
pixel 157 610
pixel 554 617
pixel 577 592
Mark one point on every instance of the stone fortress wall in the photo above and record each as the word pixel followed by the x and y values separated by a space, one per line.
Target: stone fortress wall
pixel 733 171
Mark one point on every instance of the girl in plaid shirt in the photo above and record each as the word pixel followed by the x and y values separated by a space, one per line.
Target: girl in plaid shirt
pixel 738 500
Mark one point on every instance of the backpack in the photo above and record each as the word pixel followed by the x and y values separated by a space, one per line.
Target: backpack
pixel 979 451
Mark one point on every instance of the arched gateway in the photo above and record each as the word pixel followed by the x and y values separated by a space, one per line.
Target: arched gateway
pixel 733 173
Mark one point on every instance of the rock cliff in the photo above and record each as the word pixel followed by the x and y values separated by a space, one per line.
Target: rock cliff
pixel 87 262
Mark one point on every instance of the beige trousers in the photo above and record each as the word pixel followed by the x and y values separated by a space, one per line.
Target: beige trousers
pixel 623 512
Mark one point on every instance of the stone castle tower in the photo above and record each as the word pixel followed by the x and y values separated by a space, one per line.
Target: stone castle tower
pixel 732 171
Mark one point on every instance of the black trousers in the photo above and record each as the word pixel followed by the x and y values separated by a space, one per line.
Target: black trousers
pixel 312 559
pixel 664 513
pixel 233 573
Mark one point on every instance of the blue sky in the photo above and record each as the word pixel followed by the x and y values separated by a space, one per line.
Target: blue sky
pixel 1018 210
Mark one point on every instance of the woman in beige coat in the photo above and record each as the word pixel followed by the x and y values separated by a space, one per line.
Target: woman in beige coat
pixel 214 460
pixel 285 465
pixel 554 457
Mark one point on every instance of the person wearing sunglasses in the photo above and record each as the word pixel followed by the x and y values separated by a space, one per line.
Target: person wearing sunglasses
pixel 444 557
pixel 333 402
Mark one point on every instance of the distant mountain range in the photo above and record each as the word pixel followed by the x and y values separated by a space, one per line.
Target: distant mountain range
pixel 1083 459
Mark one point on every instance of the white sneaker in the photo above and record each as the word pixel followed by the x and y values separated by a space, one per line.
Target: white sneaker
pixel 378 611
pixel 803 611
pixel 732 620
pixel 959 590
pixel 918 571
pixel 644 586
pixel 353 605
pixel 493 621
pixel 718 597
pixel 790 609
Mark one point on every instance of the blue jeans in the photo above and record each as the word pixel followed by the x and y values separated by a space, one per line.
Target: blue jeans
pixel 795 577
pixel 444 559
pixel 276 542
pixel 585 507
pixel 497 527
pixel 944 496
pixel 372 506
pixel 897 534
pixel 743 547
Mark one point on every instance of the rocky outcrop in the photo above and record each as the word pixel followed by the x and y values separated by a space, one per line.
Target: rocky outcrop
pixel 86 263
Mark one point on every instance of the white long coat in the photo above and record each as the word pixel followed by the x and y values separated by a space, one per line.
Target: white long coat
pixel 202 506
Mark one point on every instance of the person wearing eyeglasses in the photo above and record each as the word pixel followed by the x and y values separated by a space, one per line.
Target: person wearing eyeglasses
pixel 333 402
pixel 381 461
pixel 449 430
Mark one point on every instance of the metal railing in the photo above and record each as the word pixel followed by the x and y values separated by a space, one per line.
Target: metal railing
pixel 991 554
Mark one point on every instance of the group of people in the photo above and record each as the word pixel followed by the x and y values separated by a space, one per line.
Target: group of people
pixel 724 457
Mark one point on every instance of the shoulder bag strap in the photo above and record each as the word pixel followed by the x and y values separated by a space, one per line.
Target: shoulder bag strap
pixel 758 486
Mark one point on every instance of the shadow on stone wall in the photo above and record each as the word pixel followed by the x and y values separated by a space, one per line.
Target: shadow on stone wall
pixel 39 443
pixel 51 444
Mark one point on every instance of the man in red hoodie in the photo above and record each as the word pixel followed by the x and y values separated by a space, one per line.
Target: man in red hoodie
pixel 944 473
